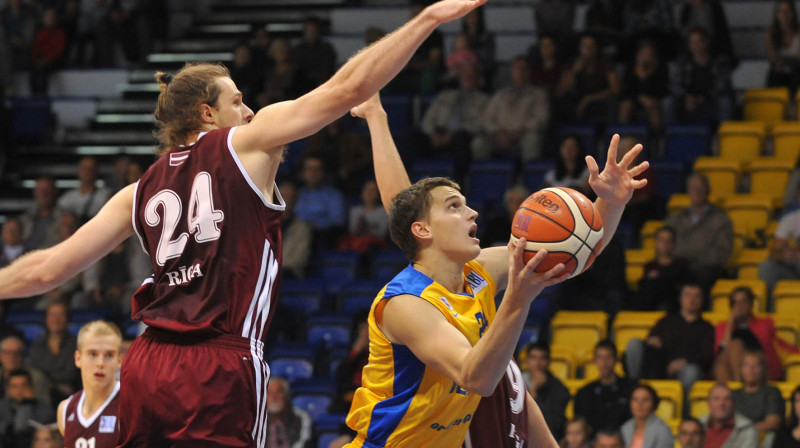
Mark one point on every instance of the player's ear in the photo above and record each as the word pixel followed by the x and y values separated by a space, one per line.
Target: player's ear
pixel 207 113
pixel 77 358
pixel 421 230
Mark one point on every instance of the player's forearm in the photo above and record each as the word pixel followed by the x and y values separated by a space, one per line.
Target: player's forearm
pixel 26 276
pixel 485 364
pixel 372 68
pixel 537 426
pixel 610 214
pixel 390 173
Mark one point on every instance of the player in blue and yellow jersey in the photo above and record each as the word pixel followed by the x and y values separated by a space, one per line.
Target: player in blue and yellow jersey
pixel 433 352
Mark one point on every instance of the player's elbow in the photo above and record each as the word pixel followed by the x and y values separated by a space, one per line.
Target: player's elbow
pixel 477 385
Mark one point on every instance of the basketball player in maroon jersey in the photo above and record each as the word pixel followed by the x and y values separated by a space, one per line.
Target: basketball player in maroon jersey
pixel 208 214
pixel 508 417
pixel 88 418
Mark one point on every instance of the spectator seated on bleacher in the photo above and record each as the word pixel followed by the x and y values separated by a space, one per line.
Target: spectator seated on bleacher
pixel 368 225
pixel 648 19
pixel 546 65
pixel 742 332
pixel 245 73
pixel 555 18
pixel 348 371
pixel 498 222
pixel 691 433
pixel 710 15
pixel 644 424
pixel 588 89
pixel 346 152
pixel 549 392
pixel 20 405
pixel 48 50
pixel 287 425
pixel 784 255
pixel 297 235
pixel 85 201
pixel 315 58
pixel 260 44
pixel 663 276
pixel 12 357
pixel 783 47
pixel 19 25
pixel 11 246
pixel 680 345
pixel 645 84
pixel 789 434
pixel 280 77
pixel 54 352
pixel 604 20
pixel 757 400
pixel 481 41
pixel 570 169
pixel 320 204
pixel 723 425
pixel 703 232
pixel 701 82
pixel 515 121
pixel 577 434
pixel 604 403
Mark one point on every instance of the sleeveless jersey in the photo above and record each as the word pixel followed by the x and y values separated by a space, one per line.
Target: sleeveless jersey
pixel 402 402
pixel 214 241
pixel 501 420
pixel 101 430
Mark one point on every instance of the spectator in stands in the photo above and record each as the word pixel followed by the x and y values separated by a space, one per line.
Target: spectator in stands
pixel 260 48
pixel 604 402
pixel 757 400
pixel 368 225
pixel 644 87
pixel 644 428
pixel 297 235
pixel 608 438
pixel 454 117
pixel 12 246
pixel 245 73
pixel 19 25
pixel 648 19
pixel 20 405
pixel 549 392
pixel 54 352
pixel 784 255
pixel 348 372
pixel 119 175
pixel 93 46
pixel 569 171
pixel 604 20
pixel 783 47
pixel 691 433
pixel 743 332
pixel 701 90
pixel 577 434
pixel 515 121
pixel 315 58
pixel 460 55
pixel 791 196
pixel 588 89
pixel 724 427
pixel 280 79
pixel 85 201
pixel 12 357
pixel 663 276
pixel 547 67
pixel 422 73
pixel 481 41
pixel 135 172
pixel 346 151
pixel 498 223
pixel 555 18
pixel 710 15
pixel 788 436
pixel 320 204
pixel 678 346
pixel 287 425
pixel 122 28
pixel 47 51
pixel 703 232
pixel 47 437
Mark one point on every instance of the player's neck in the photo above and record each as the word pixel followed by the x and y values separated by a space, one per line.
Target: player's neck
pixel 447 273
pixel 95 397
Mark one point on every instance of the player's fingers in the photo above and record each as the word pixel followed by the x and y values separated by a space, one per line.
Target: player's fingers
pixel 530 266
pixel 639 169
pixel 612 149
pixel 631 155
pixel 638 183
pixel 557 278
pixel 594 170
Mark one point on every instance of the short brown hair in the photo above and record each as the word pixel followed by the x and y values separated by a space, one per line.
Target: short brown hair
pixel 177 113
pixel 409 206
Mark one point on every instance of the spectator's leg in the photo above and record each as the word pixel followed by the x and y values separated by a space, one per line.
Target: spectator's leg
pixel 634 356
pixel 688 375
pixel 726 366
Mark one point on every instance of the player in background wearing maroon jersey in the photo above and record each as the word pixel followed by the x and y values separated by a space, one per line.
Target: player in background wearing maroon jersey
pixel 88 418
pixel 199 370
pixel 508 417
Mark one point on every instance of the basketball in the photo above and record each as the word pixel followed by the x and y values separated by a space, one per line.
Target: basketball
pixel 563 221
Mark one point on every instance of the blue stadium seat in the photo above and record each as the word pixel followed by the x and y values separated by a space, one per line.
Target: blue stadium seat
pixel 399 111
pixel 529 334
pixel 329 331
pixel 131 329
pixel 670 179
pixel 354 304
pixel 336 268
pixel 315 405
pixel 533 173
pixel 31 119
pixel 22 315
pixel 684 143
pixel 304 296
pixel 326 437
pixel 639 131
pixel 88 315
pixel 329 422
pixel 291 368
pixel 74 327
pixel 489 180
pixel 314 386
pixel 387 264
pixel 421 169
pixel 31 331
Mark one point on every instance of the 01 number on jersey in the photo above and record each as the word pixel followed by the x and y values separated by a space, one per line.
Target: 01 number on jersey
pixel 84 443
pixel 202 218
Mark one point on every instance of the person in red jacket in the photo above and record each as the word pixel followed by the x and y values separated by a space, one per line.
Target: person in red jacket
pixel 47 51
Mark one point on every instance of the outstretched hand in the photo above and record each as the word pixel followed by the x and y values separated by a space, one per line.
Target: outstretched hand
pixel 616 183
pixel 368 108
pixel 448 10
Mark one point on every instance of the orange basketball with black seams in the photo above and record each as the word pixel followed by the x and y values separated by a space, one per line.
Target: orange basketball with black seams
pixel 563 221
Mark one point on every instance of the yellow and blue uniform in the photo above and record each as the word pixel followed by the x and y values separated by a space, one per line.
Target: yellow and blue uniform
pixel 402 402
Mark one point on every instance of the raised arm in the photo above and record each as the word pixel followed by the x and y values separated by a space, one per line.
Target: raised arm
pixel 41 271
pixel 390 173
pixel 410 321
pixel 360 78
